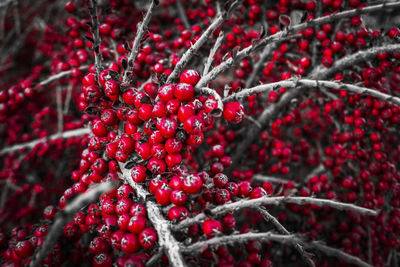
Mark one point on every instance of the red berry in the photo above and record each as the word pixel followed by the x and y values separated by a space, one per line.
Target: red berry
pixel 233 112
pixel 190 77
pixel 148 238
pixel 184 92
pixel 211 227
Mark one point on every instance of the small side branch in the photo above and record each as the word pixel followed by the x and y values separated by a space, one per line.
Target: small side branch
pixel 65 216
pixel 182 14
pixel 266 200
pixel 58 76
pixel 213 51
pixel 141 30
pixel 33 143
pixel 282 230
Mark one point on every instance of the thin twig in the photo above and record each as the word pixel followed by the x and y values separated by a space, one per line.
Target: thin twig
pixel 96 37
pixel 67 101
pixel 271 237
pixel 266 200
pixel 264 54
pixel 155 258
pixel 65 216
pixel 141 30
pixel 282 230
pixel 182 14
pixel 58 76
pixel 213 51
pixel 4 193
pixel 267 178
pixel 60 121
pixel 187 56
pixel 33 143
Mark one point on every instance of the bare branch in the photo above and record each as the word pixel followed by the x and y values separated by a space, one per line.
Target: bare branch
pixel 267 178
pixel 213 51
pixel 141 30
pixel 285 35
pixel 58 76
pixel 33 143
pixel 187 56
pixel 66 215
pixel 266 200
pixel 313 83
pixel 271 237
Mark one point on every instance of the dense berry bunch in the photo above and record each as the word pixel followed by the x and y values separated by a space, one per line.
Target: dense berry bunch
pixel 226 133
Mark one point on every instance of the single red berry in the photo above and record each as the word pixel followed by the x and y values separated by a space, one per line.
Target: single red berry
pixel 211 227
pixel 163 195
pixel 192 184
pixel 190 77
pixel 148 237
pixel 137 224
pixel 233 112
pixel 184 92
pixel 130 243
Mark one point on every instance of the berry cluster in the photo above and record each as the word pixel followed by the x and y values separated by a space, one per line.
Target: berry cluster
pixel 202 132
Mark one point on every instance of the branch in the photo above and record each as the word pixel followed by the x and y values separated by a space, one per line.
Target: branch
pixel 33 143
pixel 182 14
pixel 66 215
pixel 266 200
pixel 141 30
pixel 208 91
pixel 315 84
pixel 187 56
pixel 58 76
pixel 282 230
pixel 265 53
pixel 165 238
pixel 322 72
pixel 266 178
pixel 284 35
pixel 254 130
pixel 213 51
pixel 96 36
pixel 268 237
